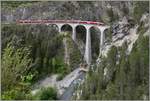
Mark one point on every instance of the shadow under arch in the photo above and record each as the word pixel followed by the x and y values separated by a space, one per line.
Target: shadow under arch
pixel 95 42
pixel 81 33
pixel 53 28
pixel 66 28
pixel 81 38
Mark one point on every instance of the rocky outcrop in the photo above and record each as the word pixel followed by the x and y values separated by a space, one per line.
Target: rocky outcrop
pixel 95 11
pixel 126 31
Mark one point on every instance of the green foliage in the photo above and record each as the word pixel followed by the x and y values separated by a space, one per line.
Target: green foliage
pixel 18 71
pixel 112 16
pixel 42 51
pixel 15 62
pixel 143 47
pixel 108 34
pixel 139 8
pixel 46 94
pixel 129 77
pixel 73 51
pixel 125 10
pixel 142 29
pixel 13 95
pixel 75 55
pixel 59 66
pixel 60 77
pixel 28 78
pixel 112 54
pixel 94 44
pixel 15 4
pixel 111 61
pixel 111 92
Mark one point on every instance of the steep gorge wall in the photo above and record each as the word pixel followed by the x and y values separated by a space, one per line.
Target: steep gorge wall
pixel 95 11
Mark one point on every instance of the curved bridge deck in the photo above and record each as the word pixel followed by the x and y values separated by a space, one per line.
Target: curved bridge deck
pixel 59 21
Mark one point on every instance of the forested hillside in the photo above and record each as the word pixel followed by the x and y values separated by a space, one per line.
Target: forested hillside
pixel 120 75
pixel 36 58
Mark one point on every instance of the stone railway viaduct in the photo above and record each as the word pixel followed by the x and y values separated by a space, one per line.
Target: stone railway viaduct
pixel 74 23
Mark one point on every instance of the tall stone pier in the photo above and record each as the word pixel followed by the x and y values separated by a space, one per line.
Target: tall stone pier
pixel 87 55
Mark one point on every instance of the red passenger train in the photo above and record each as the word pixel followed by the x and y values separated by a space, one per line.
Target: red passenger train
pixel 59 21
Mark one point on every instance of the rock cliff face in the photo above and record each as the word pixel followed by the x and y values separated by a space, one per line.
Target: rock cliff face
pixel 124 31
pixel 78 10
